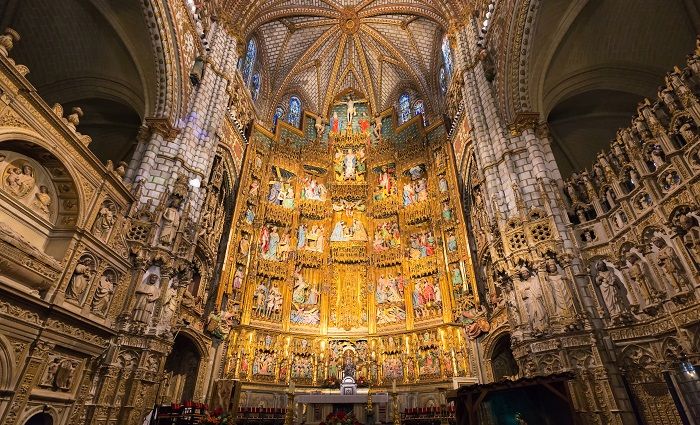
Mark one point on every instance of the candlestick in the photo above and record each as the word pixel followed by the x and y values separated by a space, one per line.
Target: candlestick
pixel 393 386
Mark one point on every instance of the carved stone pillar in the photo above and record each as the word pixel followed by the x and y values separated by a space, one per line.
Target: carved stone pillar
pixel 30 377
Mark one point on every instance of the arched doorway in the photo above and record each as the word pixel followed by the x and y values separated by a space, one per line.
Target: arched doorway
pixel 183 366
pixel 503 364
pixel 40 419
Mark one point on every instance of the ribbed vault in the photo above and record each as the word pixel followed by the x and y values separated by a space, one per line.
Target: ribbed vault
pixel 322 47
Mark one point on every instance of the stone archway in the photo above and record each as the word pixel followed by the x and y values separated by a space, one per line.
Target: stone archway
pixel 40 419
pixel 183 366
pixel 503 364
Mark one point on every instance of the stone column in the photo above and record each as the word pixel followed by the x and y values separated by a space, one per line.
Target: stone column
pixel 171 145
pixel 520 174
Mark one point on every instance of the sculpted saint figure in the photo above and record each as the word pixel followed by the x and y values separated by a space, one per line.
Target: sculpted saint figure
pixel 611 289
pixel 146 296
pixel 103 294
pixel 12 180
pixel 377 130
pixel 42 201
pixel 104 221
pixel 170 222
pixel 531 294
pixel 80 280
pixel 638 275
pixel 26 180
pixel 667 260
pixel 559 285
pixel 691 239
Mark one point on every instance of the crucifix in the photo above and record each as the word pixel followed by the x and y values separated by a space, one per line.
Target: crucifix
pixel 352 112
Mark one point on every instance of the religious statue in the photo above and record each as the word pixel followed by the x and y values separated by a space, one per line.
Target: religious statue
pixel 349 368
pixel 313 190
pixel 320 127
pixel 364 123
pixel 170 222
pixel 64 374
pixel 457 279
pixel 244 245
pixel 79 282
pixel 530 292
pixel 253 189
pixel 559 285
pixel 612 290
pixel 249 214
pixel 387 183
pixel 667 261
pixel 238 278
pixel 49 378
pixel 105 220
pixel 691 237
pixel 286 196
pixel 146 295
pixel 442 184
pixel 349 165
pixel 451 241
pixel 103 293
pixel 426 297
pixel 274 193
pixel 20 181
pixel 315 239
pixel 638 274
pixel 169 306
pixel 446 211
pixel 421 245
pixel 300 288
pixel 351 111
pixel 335 123
pixel 284 247
pixel 43 201
pixel 377 130
pixel 349 206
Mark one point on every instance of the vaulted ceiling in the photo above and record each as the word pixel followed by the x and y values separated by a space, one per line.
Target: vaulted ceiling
pixel 318 48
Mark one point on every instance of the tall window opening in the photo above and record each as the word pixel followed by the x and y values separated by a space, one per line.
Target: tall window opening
pixel 294 116
pixel 404 108
pixel 249 60
pixel 447 55
pixel 419 109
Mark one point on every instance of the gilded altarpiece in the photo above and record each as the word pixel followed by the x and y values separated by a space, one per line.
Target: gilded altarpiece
pixel 349 246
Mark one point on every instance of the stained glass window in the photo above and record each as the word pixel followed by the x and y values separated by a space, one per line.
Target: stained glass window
pixel 447 55
pixel 419 109
pixel 249 59
pixel 294 116
pixel 255 88
pixel 404 108
pixel 443 80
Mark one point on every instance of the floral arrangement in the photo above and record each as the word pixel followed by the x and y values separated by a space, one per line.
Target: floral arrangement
pixel 217 417
pixel 340 418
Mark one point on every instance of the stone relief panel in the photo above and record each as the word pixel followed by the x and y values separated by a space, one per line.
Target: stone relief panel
pixel 28 183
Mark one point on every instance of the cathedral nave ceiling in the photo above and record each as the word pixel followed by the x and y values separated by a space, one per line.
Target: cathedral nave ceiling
pixel 319 48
